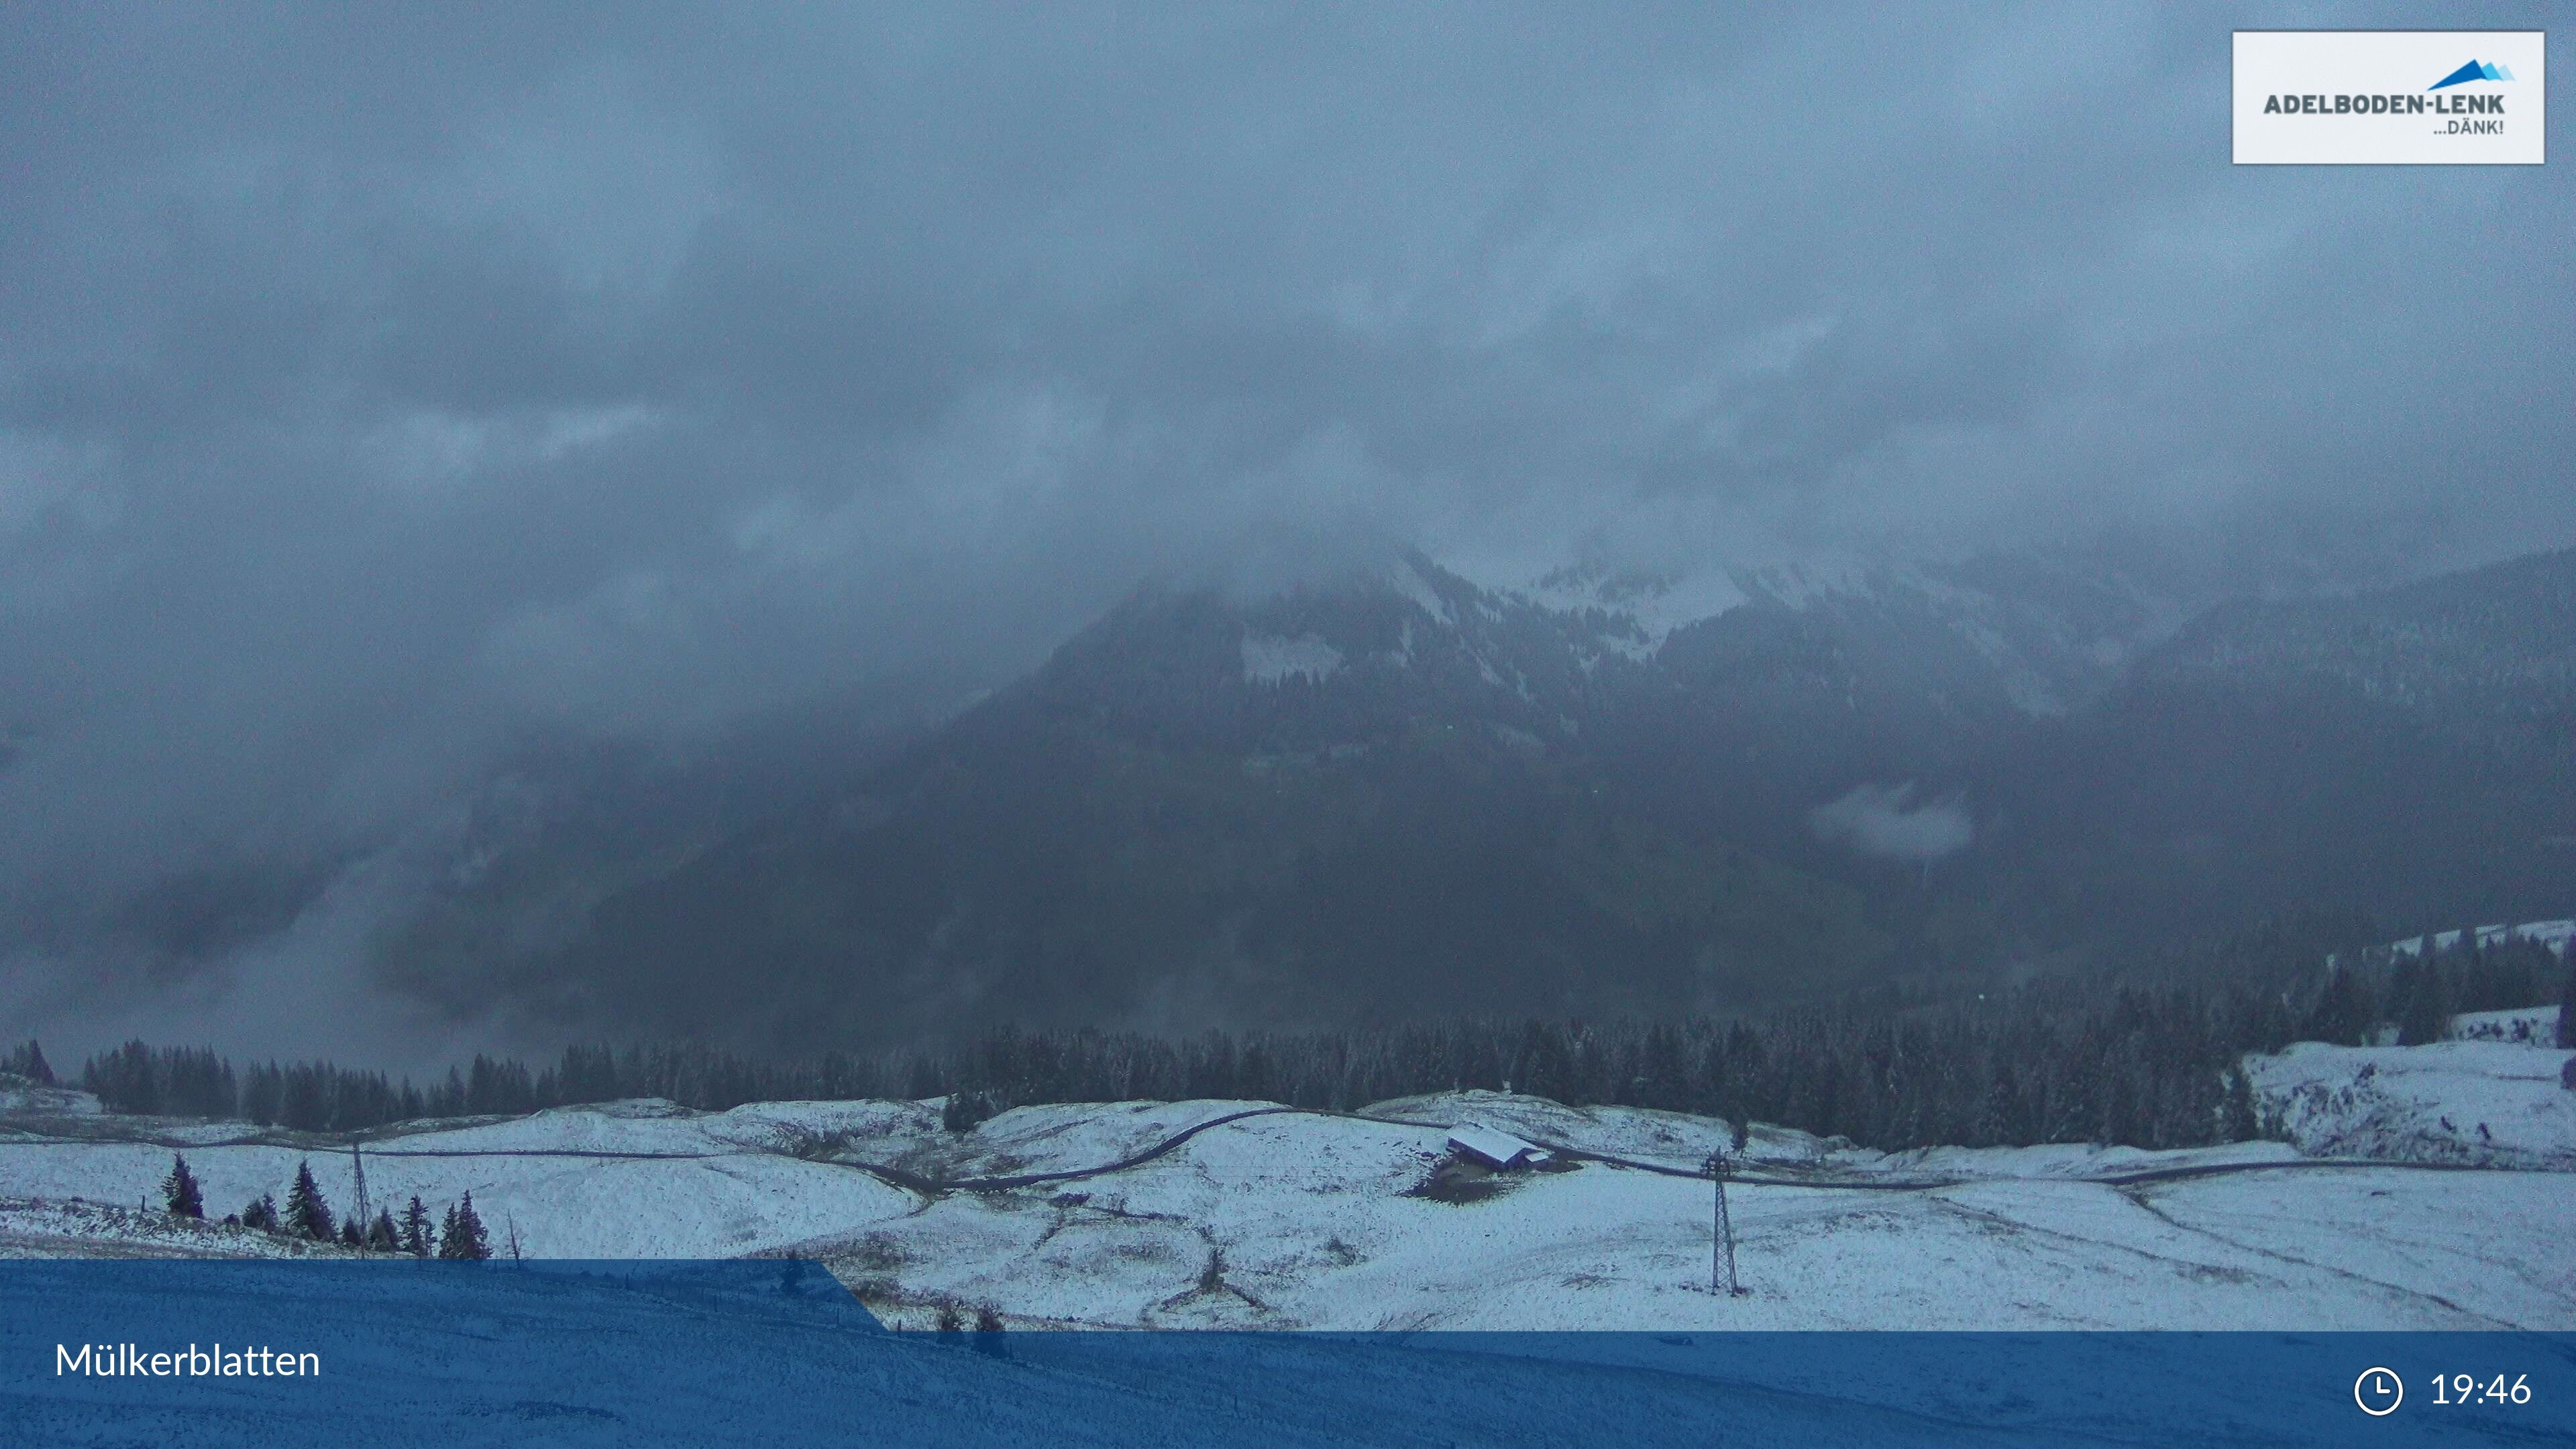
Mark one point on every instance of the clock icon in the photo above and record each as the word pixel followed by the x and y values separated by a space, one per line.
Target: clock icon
pixel 2378 1392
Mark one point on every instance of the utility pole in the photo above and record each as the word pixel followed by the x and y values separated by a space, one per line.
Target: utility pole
pixel 1722 1234
pixel 358 1165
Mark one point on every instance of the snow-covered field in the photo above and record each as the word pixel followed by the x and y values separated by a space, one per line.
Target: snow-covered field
pixel 1306 1220
pixel 2480 1098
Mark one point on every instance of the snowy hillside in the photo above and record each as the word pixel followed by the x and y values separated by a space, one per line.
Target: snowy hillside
pixel 18 1095
pixel 1264 1217
pixel 2487 1099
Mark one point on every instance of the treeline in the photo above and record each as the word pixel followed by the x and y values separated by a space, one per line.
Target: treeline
pixel 307 1216
pixel 2053 1061
pixel 306 1096
pixel 325 1097
pixel 2416 997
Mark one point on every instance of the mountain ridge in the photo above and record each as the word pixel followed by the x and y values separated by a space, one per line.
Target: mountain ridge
pixel 1396 791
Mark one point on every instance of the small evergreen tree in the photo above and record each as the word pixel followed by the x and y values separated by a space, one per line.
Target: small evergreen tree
pixel 2240 1124
pixel 307 1215
pixel 350 1236
pixel 462 1235
pixel 416 1237
pixel 382 1235
pixel 963 1111
pixel 261 1214
pixel 179 1193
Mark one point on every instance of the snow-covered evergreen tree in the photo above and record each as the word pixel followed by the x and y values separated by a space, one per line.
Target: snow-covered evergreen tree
pixel 462 1235
pixel 179 1192
pixel 261 1214
pixel 2240 1123
pixel 416 1236
pixel 28 1061
pixel 307 1215
pixel 382 1235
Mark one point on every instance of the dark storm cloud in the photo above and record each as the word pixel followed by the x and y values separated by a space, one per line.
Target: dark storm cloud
pixel 374 382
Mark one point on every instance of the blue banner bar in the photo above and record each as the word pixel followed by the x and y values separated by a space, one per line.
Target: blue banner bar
pixel 776 1353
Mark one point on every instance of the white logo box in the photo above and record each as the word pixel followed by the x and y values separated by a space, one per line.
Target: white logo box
pixel 2375 98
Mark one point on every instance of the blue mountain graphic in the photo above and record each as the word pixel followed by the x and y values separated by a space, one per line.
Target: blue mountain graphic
pixel 2473 71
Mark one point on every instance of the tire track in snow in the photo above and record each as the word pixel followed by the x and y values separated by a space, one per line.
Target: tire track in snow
pixel 2276 1255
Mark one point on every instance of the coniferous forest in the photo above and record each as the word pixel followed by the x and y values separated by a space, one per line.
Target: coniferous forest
pixel 2056 1060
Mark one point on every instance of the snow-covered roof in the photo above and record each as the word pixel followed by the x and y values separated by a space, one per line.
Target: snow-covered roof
pixel 1498 1149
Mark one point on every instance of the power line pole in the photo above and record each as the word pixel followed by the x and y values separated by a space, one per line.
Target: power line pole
pixel 358 1165
pixel 1722 1229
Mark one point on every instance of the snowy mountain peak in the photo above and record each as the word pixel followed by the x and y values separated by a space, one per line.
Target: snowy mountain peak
pixel 1657 604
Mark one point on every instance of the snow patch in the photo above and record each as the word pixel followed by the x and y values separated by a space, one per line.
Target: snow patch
pixel 1654 605
pixel 1408 581
pixel 1272 658
pixel 2553 934
pixel 1799 584
pixel 2529 1025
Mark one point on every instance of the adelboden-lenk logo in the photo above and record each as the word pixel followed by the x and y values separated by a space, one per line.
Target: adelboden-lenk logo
pixel 2379 97
pixel 2473 71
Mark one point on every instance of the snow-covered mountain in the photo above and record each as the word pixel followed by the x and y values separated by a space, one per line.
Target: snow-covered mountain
pixel 1391 790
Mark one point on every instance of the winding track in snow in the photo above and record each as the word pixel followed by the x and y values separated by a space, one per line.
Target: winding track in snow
pixel 934 1186
pixel 915 1182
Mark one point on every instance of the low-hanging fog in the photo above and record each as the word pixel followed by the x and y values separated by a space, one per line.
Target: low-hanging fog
pixel 378 386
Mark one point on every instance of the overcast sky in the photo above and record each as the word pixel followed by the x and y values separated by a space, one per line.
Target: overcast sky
pixel 376 380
